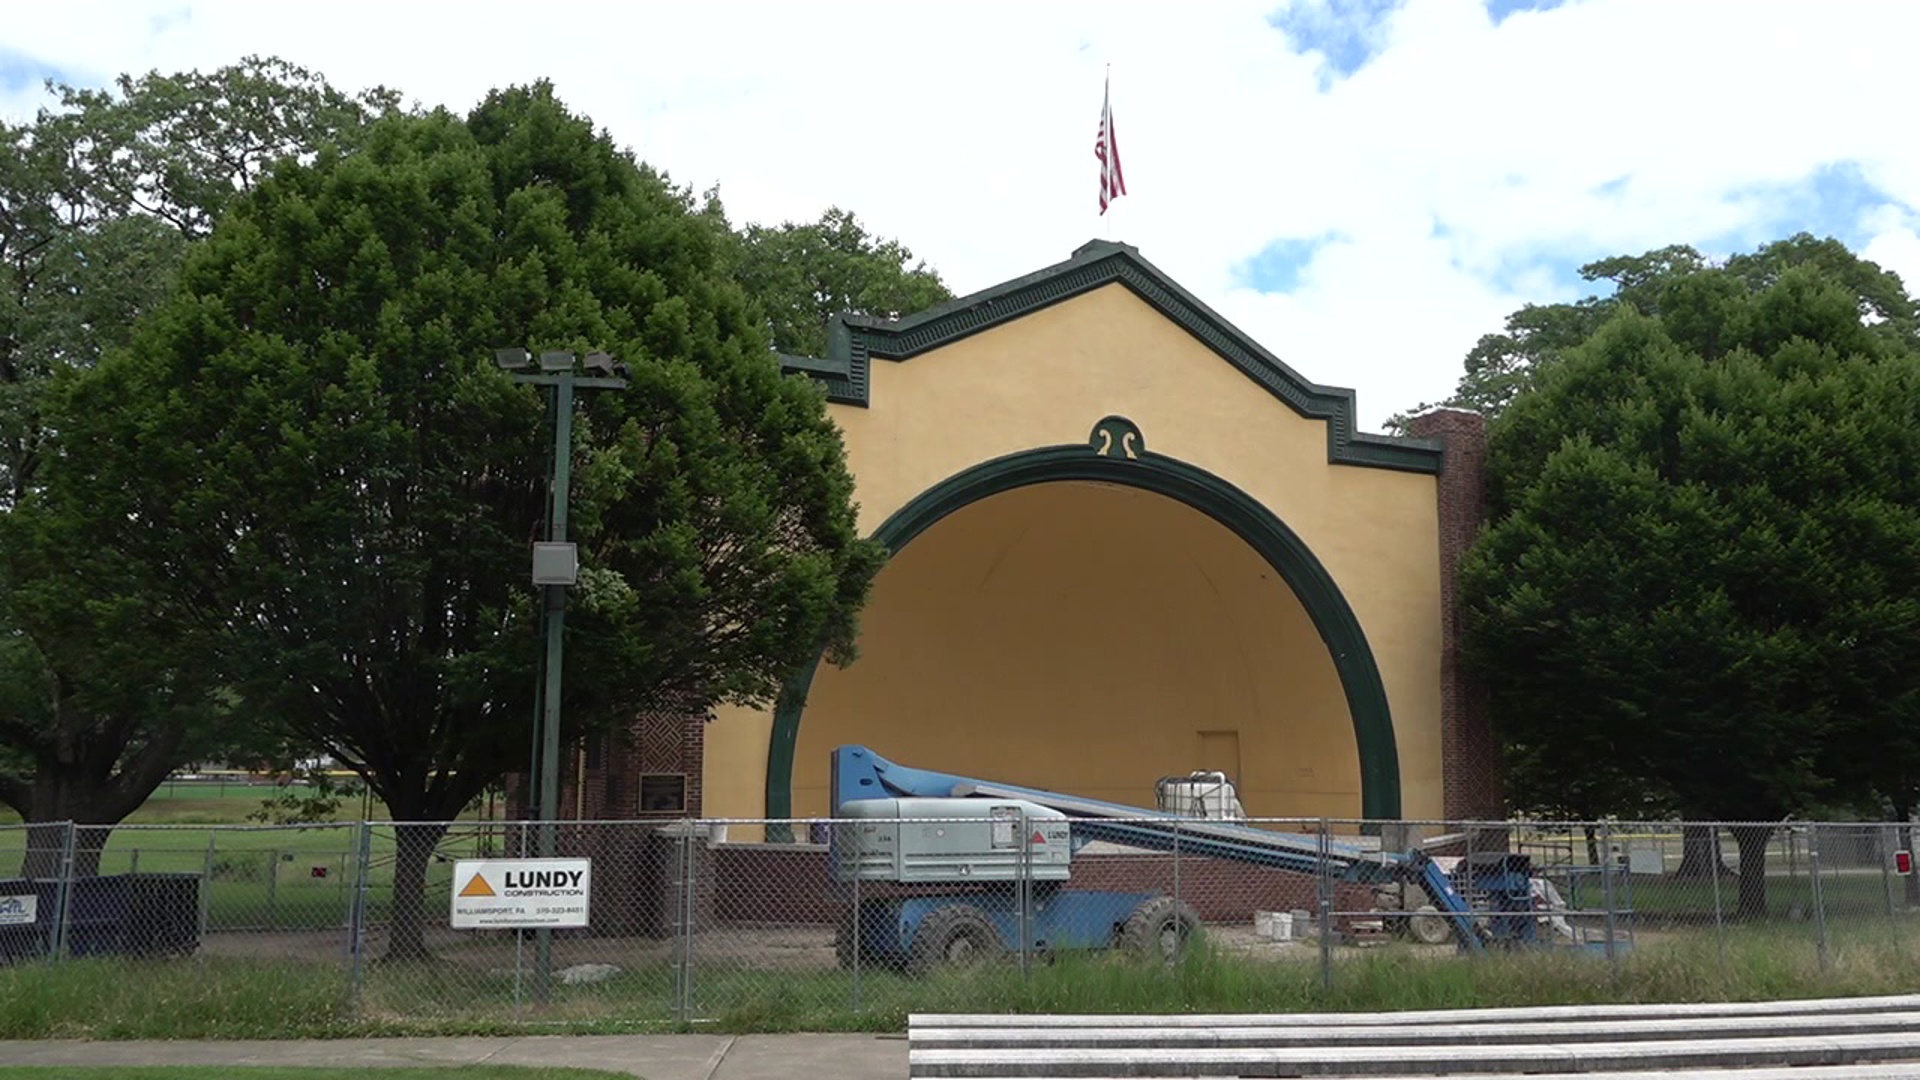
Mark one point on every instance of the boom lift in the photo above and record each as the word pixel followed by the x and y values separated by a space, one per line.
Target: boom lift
pixel 943 868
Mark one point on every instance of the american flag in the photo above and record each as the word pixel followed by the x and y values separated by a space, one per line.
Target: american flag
pixel 1107 149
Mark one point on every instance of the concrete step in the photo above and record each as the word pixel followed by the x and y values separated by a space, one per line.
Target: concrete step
pixel 1014 1034
pixel 1897 1071
pixel 1806 1072
pixel 1521 1014
pixel 1414 1060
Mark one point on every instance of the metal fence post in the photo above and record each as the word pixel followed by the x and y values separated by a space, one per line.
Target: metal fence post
pixel 206 884
pixel 858 924
pixel 1819 896
pixel 64 914
pixel 689 891
pixel 1023 893
pixel 1467 881
pixel 273 888
pixel 1606 884
pixel 1883 848
pixel 1325 895
pixel 677 917
pixel 519 946
pixel 1177 898
pixel 363 861
pixel 1719 920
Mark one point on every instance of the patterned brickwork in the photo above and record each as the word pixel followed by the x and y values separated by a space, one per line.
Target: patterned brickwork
pixel 1469 755
pixel 606 785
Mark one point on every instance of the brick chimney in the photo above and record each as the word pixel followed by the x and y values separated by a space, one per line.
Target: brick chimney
pixel 1469 756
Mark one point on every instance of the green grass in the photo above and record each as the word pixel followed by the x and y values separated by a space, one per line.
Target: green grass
pixel 1847 893
pixel 255 1072
pixel 267 878
pixel 226 998
pixel 1760 964
pixel 202 802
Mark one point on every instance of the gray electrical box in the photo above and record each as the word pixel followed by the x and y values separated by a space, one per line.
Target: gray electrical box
pixel 951 840
pixel 555 563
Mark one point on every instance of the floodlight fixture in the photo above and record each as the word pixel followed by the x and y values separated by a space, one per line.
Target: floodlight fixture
pixel 512 359
pixel 556 361
pixel 599 361
pixel 555 563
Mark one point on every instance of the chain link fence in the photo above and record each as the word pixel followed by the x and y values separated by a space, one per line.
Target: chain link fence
pixel 658 924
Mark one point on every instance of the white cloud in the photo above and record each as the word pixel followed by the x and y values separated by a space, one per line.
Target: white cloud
pixel 967 132
pixel 1895 243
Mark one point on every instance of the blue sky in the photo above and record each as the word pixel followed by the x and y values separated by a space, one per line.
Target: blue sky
pixel 21 74
pixel 1834 199
pixel 1301 165
pixel 1348 33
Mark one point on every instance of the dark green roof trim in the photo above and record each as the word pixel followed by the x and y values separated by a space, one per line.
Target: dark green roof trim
pixel 839 389
pixel 854 341
pixel 1280 546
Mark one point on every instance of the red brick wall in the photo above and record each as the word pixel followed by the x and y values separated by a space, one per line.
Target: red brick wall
pixel 1469 757
pixel 660 741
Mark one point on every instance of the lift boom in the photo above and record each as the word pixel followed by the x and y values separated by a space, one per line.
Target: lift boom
pixel 857 773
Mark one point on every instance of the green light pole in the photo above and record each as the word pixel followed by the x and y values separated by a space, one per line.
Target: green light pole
pixel 555 567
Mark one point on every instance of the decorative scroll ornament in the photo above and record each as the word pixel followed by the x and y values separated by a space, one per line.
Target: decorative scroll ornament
pixel 1117 437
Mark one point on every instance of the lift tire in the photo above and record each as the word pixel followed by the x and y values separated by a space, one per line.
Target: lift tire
pixel 1160 929
pixel 1427 926
pixel 957 936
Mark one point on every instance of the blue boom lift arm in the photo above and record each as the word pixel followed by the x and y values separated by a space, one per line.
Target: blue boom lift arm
pixel 859 773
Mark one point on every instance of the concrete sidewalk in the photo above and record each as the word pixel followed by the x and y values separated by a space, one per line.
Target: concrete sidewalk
pixel 655 1057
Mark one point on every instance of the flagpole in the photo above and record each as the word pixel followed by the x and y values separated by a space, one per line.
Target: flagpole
pixel 1106 148
pixel 1106 104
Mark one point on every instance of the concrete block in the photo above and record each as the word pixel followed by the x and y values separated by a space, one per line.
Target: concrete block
pixel 1411 1061
pixel 1013 1034
pixel 1795 1007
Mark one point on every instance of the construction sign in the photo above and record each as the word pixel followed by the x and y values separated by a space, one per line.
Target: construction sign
pixel 508 894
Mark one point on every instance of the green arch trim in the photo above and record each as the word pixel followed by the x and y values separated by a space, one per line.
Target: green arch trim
pixel 1253 523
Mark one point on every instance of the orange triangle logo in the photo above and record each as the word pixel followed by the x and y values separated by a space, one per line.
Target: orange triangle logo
pixel 477 886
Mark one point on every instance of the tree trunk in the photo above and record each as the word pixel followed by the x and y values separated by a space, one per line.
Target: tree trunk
pixel 46 850
pixel 1700 853
pixel 93 783
pixel 1752 840
pixel 1593 846
pixel 413 848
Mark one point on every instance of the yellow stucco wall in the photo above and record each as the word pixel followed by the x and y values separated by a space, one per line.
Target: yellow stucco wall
pixel 1045 379
pixel 1083 637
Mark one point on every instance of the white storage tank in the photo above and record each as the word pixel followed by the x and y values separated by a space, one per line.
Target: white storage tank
pixel 1200 794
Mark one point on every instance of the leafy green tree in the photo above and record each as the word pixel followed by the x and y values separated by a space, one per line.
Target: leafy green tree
pixel 1501 366
pixel 100 693
pixel 804 274
pixel 100 197
pixel 310 442
pixel 1703 561
pixel 101 192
